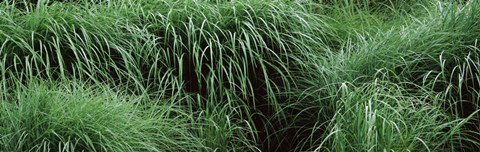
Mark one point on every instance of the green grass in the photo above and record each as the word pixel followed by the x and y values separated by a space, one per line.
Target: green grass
pixel 42 116
pixel 244 75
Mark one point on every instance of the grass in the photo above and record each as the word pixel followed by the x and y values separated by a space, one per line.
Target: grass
pixel 245 75
pixel 69 116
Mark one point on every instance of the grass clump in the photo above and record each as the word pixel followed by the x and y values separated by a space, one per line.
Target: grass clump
pixel 239 53
pixel 44 116
pixel 382 116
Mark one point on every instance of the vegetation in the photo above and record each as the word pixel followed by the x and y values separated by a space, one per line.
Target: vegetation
pixel 240 75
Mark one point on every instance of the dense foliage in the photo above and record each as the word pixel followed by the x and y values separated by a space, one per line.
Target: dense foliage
pixel 239 75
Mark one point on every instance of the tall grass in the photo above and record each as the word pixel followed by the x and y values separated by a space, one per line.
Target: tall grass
pixel 42 116
pixel 426 56
pixel 228 67
pixel 162 75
